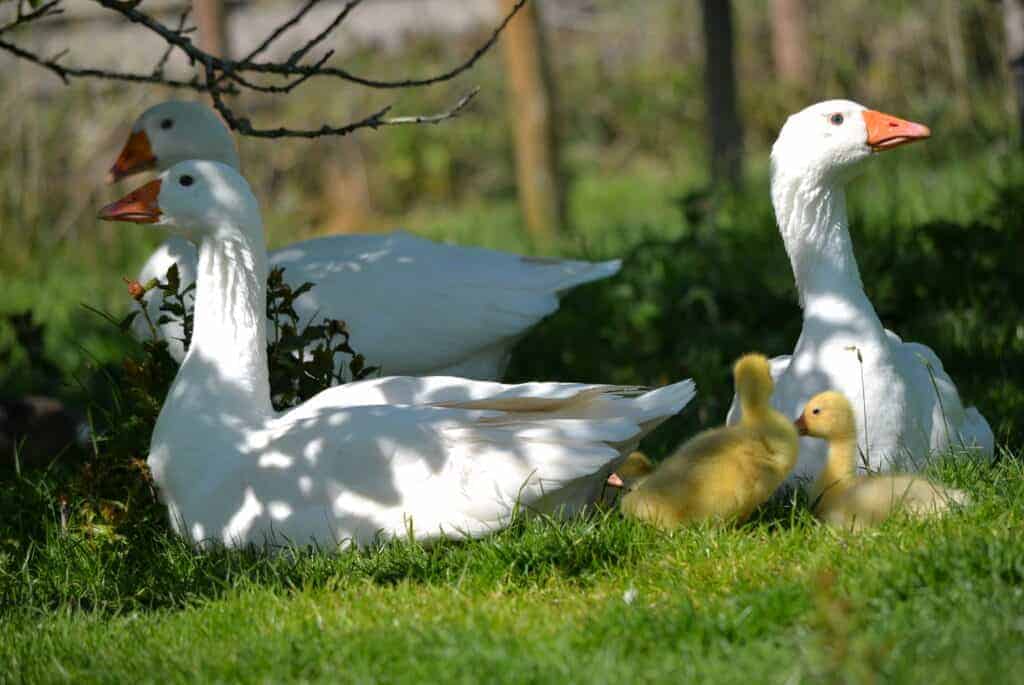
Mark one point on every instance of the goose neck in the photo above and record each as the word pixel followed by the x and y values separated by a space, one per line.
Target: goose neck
pixel 838 473
pixel 228 352
pixel 811 214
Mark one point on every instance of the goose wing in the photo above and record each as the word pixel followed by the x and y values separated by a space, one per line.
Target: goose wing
pixel 330 474
pixel 419 307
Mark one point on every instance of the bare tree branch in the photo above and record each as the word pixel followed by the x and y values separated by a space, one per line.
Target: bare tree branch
pixel 289 68
pixel 286 88
pixel 374 121
pixel 222 76
pixel 48 9
pixel 65 74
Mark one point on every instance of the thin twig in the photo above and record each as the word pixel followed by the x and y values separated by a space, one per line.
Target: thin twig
pixel 158 70
pixel 287 87
pixel 276 33
pixel 65 74
pixel 48 9
pixel 375 120
pixel 294 58
pixel 435 118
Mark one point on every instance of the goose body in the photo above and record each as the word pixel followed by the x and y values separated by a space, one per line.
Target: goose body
pixel 414 306
pixel 394 456
pixel 725 473
pixel 845 500
pixel 905 404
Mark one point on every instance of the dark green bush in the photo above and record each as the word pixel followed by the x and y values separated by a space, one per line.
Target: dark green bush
pixel 690 306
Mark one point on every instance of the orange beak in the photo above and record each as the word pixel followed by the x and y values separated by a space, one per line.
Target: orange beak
pixel 801 425
pixel 886 132
pixel 615 481
pixel 136 156
pixel 139 206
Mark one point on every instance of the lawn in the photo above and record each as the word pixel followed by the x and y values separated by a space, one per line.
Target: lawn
pixel 781 599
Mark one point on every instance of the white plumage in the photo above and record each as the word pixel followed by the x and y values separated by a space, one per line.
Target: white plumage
pixel 906 405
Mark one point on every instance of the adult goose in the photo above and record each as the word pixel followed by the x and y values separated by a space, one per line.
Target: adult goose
pixel 393 456
pixel 906 405
pixel 415 307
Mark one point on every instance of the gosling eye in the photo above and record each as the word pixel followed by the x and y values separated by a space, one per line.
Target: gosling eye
pixel 836 119
pixel 816 411
pixel 186 180
pixel 167 124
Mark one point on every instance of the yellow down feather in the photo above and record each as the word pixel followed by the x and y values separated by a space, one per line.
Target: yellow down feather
pixel 845 500
pixel 725 473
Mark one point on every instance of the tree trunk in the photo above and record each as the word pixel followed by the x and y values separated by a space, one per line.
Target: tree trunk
pixel 532 105
pixel 720 91
pixel 791 43
pixel 212 20
pixel 1013 20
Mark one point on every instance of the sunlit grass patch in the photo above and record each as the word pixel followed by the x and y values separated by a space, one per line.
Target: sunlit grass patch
pixel 596 599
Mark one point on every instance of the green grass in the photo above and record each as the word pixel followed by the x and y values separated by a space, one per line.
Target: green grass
pixel 781 599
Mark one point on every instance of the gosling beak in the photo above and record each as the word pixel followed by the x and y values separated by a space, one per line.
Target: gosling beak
pixel 137 155
pixel 886 131
pixel 801 425
pixel 615 481
pixel 139 206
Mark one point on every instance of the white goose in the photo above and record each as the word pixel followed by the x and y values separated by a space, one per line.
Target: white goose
pixel 415 307
pixel 906 405
pixel 392 456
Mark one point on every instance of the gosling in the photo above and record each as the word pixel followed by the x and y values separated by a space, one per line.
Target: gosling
pixel 841 498
pixel 722 474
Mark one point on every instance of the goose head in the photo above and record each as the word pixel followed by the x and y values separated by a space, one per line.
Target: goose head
pixel 199 199
pixel 173 132
pixel 827 141
pixel 828 415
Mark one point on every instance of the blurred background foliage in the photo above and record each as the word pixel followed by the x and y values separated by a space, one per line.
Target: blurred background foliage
pixel 937 226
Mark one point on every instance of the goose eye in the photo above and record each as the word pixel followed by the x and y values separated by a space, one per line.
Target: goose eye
pixel 836 119
pixel 816 411
pixel 166 124
pixel 186 180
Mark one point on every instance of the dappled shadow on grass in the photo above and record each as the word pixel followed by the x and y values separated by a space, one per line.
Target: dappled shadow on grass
pixel 151 568
pixel 722 587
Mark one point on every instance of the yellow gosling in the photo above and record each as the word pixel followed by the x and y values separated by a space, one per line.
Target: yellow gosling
pixel 725 473
pixel 845 500
pixel 632 469
pixel 630 472
pixel 636 465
